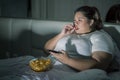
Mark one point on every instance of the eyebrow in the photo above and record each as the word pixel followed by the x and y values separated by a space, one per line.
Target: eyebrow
pixel 81 17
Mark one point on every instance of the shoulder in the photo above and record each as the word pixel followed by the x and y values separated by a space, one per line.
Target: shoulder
pixel 100 35
pixel 102 41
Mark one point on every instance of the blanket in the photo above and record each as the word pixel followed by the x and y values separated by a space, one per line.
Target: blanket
pixel 18 69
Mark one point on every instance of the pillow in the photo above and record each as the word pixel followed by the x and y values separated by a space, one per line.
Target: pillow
pixel 115 64
pixel 114 75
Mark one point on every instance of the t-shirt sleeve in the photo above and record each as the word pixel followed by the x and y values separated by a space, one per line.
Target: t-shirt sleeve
pixel 102 42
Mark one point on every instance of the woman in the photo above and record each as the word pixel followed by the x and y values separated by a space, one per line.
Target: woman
pixel 84 44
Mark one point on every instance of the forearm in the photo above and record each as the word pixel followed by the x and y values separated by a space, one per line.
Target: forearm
pixel 82 64
pixel 98 59
pixel 50 44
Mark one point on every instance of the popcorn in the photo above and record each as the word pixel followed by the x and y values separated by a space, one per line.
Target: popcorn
pixel 40 64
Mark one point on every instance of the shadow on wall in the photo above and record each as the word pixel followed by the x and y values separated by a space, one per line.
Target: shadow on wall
pixel 4 47
pixel 15 47
pixel 24 44
pixel 38 42
pixel 114 34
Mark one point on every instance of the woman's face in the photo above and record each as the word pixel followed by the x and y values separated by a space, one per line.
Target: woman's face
pixel 82 24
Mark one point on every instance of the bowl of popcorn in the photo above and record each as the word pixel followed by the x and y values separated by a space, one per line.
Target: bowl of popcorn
pixel 40 64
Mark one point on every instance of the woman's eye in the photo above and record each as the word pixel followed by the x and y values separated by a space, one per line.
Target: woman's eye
pixel 80 20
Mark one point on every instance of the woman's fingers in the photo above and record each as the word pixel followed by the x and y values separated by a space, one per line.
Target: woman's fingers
pixel 63 52
pixel 69 29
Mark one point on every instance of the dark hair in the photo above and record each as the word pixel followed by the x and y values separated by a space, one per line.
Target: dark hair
pixel 91 13
pixel 113 14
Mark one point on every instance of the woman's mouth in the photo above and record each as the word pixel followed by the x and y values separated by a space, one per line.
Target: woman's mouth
pixel 76 28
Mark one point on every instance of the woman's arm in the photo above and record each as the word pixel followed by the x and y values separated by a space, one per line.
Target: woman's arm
pixel 98 59
pixel 50 44
pixel 68 29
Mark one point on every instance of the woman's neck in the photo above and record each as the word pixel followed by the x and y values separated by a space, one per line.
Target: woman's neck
pixel 85 32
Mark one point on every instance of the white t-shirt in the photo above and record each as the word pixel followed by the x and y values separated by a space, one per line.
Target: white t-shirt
pixel 85 44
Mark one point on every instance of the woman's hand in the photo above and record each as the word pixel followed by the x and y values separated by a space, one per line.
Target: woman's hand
pixel 50 44
pixel 62 57
pixel 68 29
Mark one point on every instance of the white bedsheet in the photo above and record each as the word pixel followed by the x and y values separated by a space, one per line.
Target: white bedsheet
pixel 18 69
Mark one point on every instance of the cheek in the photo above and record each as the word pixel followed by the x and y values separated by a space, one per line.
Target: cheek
pixel 83 25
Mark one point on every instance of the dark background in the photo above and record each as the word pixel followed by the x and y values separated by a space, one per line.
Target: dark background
pixel 50 9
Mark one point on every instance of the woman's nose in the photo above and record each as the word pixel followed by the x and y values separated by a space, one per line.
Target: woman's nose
pixel 75 23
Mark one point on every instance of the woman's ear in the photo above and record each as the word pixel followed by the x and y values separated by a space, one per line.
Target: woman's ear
pixel 91 22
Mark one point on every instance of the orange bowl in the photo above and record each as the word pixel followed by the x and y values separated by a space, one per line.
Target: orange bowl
pixel 40 64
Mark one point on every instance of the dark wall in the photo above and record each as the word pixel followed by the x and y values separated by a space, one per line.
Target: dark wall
pixel 51 9
pixel 14 8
